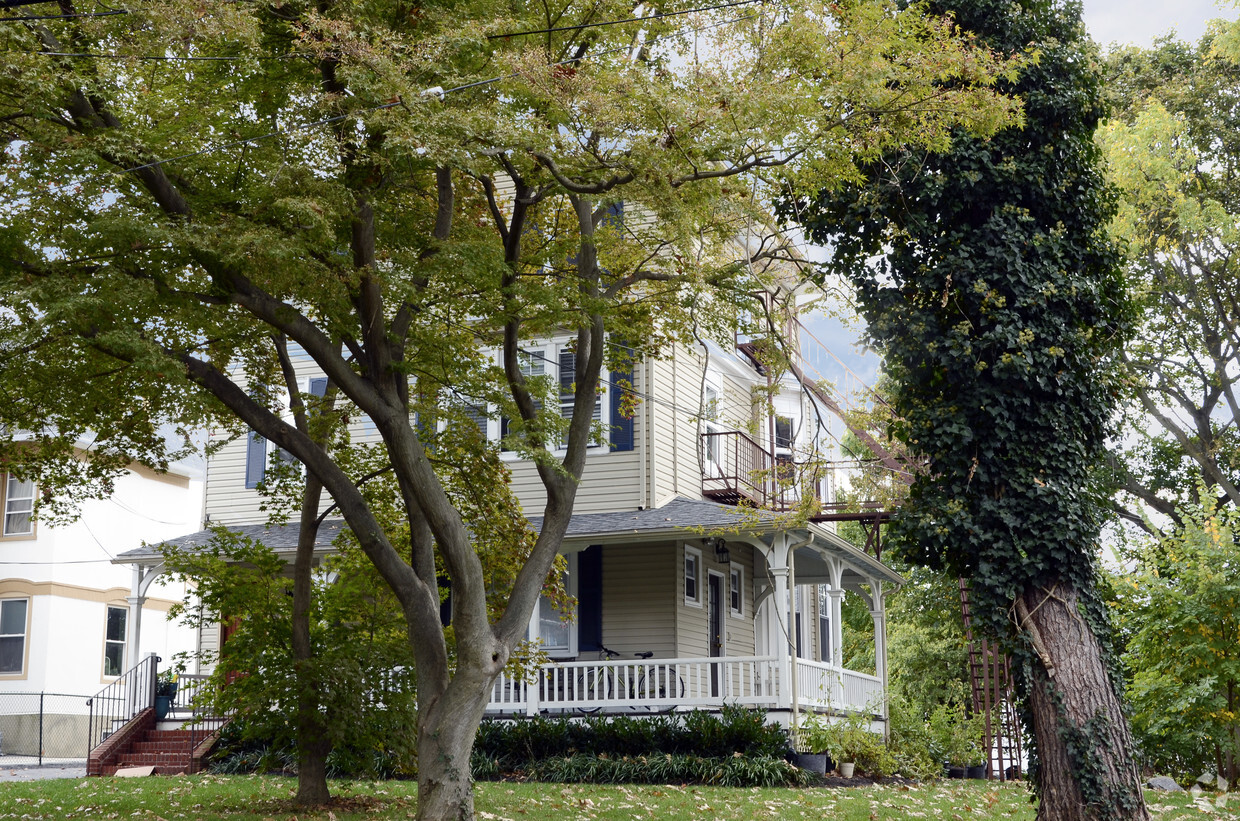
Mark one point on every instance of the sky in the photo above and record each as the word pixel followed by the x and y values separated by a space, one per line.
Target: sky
pixel 839 357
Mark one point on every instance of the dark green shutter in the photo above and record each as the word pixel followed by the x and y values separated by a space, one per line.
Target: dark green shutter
pixel 590 599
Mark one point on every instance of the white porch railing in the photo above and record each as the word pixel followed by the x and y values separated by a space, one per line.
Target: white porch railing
pixel 669 684
pixel 824 685
pixel 652 684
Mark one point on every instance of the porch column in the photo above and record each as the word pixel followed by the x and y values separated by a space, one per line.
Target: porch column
pixel 781 606
pixel 879 614
pixel 133 630
pixel 836 616
pixel 143 577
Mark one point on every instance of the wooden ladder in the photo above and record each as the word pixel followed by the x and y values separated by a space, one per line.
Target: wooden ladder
pixel 990 678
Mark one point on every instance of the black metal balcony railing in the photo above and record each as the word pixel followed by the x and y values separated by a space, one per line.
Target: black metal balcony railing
pixel 736 469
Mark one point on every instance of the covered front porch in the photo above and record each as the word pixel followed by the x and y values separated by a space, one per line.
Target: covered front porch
pixel 667 685
pixel 696 605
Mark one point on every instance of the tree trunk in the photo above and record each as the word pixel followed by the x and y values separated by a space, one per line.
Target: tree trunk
pixel 1085 769
pixel 313 744
pixel 446 730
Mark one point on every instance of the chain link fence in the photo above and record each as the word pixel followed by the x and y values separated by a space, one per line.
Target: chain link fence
pixel 40 728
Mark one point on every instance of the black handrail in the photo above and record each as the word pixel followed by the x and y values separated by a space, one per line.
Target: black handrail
pixel 118 703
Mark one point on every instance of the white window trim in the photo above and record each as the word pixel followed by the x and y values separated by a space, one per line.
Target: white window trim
pixel 548 354
pixel 21 673
pixel 5 500
pixel 124 642
pixel 696 600
pixel 739 570
pixel 571 585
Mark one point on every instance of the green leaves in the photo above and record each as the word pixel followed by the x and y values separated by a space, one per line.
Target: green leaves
pixel 1178 609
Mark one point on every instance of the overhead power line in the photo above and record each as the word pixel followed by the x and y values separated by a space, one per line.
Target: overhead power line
pixel 28 17
pixel 166 57
pixel 656 16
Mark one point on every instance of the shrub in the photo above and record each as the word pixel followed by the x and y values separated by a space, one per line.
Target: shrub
pixel 732 771
pixel 735 748
pixel 734 730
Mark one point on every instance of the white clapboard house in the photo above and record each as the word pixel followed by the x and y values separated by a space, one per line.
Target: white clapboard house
pixel 693 589
pixel 70 616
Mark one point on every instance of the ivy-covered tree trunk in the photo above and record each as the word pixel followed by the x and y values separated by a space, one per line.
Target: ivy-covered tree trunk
pixel 987 282
pixel 1085 768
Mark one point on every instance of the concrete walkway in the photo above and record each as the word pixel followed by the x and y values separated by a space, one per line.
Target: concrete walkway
pixel 33 772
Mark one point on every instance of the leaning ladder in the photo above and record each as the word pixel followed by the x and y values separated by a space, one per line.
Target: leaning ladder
pixel 990 677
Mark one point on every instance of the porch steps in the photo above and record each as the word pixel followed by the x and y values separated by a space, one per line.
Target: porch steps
pixel 168 751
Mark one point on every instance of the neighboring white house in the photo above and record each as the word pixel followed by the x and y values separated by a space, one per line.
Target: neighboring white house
pixel 69 616
pixel 703 599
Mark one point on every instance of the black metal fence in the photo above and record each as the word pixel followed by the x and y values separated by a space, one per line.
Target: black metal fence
pixel 38 728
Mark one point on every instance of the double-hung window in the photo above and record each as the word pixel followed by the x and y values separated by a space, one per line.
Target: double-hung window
pixel 568 378
pixel 824 624
pixel 18 507
pixel 114 641
pixel 13 635
pixel 693 570
pixel 558 630
pixel 736 590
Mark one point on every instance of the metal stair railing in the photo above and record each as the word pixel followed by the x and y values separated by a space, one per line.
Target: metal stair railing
pixel 117 704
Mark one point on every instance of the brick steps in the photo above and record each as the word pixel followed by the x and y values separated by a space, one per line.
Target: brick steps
pixel 168 751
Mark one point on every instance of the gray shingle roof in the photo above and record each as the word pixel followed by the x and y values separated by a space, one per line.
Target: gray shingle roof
pixel 680 517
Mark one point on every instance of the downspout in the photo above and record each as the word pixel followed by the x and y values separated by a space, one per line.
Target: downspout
pixel 644 454
pixel 650 434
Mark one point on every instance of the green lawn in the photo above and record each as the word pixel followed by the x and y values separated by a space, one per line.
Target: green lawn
pixel 261 797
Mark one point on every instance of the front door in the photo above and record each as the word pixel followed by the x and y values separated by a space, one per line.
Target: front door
pixel 714 626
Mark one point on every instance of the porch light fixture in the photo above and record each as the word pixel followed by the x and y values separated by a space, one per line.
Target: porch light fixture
pixel 720 547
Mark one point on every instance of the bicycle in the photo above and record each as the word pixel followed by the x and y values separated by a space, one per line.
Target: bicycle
pixel 665 685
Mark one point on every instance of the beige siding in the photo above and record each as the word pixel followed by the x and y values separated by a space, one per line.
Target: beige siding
pixel 209 645
pixel 639 591
pixel 740 634
pixel 675 454
pixel 692 619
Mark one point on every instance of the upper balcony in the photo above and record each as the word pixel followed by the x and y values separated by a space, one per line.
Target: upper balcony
pixel 737 469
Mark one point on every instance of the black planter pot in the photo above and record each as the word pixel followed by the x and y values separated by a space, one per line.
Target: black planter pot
pixel 955 772
pixel 975 772
pixel 817 763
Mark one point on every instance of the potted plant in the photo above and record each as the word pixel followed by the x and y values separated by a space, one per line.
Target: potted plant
pixel 165 692
pixel 812 743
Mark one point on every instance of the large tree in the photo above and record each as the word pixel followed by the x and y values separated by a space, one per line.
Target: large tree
pixel 398 189
pixel 989 285
pixel 1173 152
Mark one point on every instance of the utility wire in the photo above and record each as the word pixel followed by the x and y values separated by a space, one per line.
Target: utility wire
pixel 649 19
pixel 60 16
pixel 151 56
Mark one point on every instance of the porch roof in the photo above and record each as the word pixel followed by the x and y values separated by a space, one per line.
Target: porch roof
pixel 684 518
pixel 680 518
pixel 280 538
